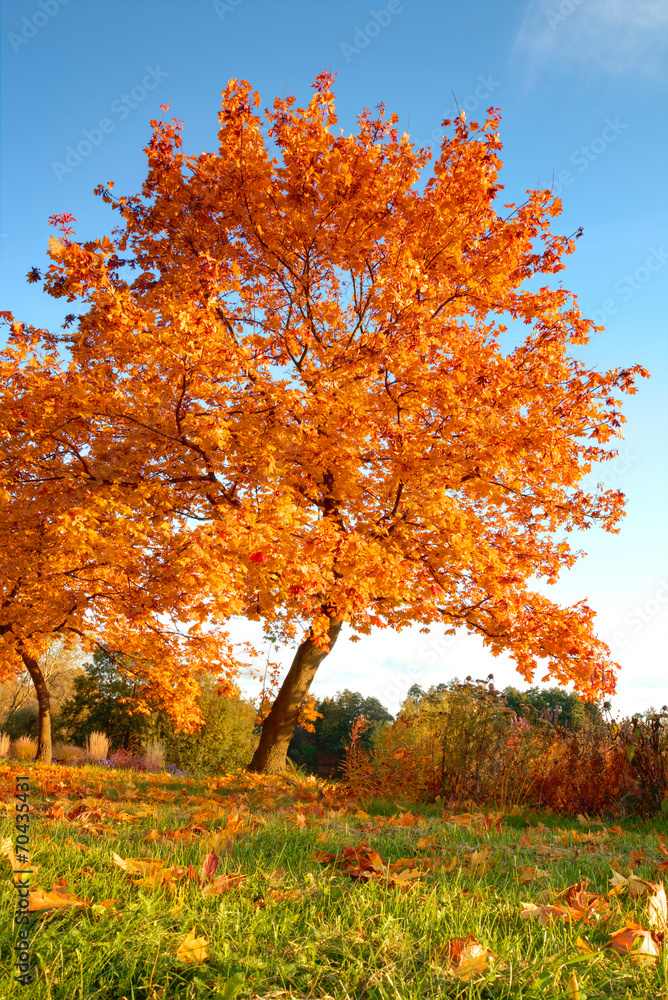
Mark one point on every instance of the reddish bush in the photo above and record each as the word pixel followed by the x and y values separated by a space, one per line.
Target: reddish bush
pixel 582 771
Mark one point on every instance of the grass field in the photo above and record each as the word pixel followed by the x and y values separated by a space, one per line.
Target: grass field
pixel 148 886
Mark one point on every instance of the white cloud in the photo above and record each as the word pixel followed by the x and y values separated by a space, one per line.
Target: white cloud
pixel 594 37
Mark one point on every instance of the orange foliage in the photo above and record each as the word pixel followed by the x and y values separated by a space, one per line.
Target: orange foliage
pixel 289 399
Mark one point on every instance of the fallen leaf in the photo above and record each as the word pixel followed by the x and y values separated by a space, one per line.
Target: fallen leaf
pixel 467 958
pixel 480 861
pixel 209 867
pixel 425 842
pixel 138 866
pixel 58 898
pixel 544 914
pixel 637 942
pixel 528 874
pixel 192 948
pixel 222 884
pixel 657 910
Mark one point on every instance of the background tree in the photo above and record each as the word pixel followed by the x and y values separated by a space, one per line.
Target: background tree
pixel 103 701
pixel 331 733
pixel 311 360
pixel 19 710
pixel 564 707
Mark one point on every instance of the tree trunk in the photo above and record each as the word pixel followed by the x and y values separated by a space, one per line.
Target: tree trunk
pixel 44 703
pixel 278 727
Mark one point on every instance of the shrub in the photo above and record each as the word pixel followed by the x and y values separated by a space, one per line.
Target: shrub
pixel 154 756
pixel 97 746
pixel 644 743
pixel 582 770
pixel 226 740
pixel 5 740
pixel 459 741
pixel 121 758
pixel 24 722
pixel 24 748
pixel 68 753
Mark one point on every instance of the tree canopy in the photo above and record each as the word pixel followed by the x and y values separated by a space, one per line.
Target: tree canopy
pixel 290 370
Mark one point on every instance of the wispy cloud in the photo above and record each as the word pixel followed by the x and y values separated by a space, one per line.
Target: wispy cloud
pixel 594 36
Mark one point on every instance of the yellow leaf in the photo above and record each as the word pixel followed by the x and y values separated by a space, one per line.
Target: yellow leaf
pixel 657 910
pixel 573 989
pixel 424 842
pixel 193 949
pixel 479 860
pixel 138 866
pixel 542 913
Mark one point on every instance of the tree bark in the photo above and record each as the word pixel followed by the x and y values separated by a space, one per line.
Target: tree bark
pixel 278 727
pixel 44 751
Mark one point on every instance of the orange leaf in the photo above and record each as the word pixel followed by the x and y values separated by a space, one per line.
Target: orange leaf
pixel 637 942
pixel 222 884
pixel 59 897
pixel 467 958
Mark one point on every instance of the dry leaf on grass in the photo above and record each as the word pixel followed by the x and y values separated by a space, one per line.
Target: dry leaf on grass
pixel 639 943
pixel 138 866
pixel 57 899
pixel 193 948
pixel 529 874
pixel 466 957
pixel 657 910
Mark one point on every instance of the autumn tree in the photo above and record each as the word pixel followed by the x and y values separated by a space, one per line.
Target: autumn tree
pixel 352 384
pixel 59 665
pixel 84 562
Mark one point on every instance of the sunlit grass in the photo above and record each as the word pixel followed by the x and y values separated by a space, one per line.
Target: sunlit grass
pixel 295 926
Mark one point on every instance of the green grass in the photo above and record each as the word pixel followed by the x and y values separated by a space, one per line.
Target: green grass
pixel 295 927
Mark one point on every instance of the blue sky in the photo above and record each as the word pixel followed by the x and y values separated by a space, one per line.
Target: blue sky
pixel 582 88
